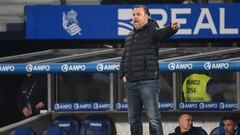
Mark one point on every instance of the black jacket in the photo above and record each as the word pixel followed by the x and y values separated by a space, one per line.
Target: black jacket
pixel 140 56
pixel 192 131
pixel 33 91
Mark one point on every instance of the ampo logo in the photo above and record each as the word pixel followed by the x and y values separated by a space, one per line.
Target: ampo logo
pixel 100 67
pixel 64 67
pixel 56 106
pixel 181 105
pixel 118 106
pixel 76 106
pixel 221 105
pixel 95 106
pixel 207 65
pixel 171 66
pixel 29 68
pixel 201 106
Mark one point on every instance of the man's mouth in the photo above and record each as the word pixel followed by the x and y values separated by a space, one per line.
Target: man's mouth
pixel 135 21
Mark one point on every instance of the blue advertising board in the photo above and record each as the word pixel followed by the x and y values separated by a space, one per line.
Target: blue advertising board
pixel 208 106
pixel 101 106
pixel 163 106
pixel 113 67
pixel 198 21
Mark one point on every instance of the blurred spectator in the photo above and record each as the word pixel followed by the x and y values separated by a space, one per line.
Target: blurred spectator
pixel 3 106
pixel 195 88
pixel 33 95
pixel 231 126
pixel 186 127
pixel 207 87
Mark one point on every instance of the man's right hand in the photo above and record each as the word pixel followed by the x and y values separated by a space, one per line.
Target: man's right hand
pixel 124 79
pixel 26 112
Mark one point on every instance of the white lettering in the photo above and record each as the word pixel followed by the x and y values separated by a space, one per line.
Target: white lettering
pixel 183 66
pixel 7 68
pixel 220 65
pixel 66 106
pixel 168 105
pixel 200 25
pixel 175 12
pixel 84 106
pixel 41 67
pixel 230 105
pixel 210 105
pixel 76 67
pixel 94 124
pixel 224 30
pixel 111 67
pixel 162 12
pixel 64 125
pixel 104 105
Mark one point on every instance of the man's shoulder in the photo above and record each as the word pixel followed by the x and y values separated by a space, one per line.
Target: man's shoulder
pixel 130 33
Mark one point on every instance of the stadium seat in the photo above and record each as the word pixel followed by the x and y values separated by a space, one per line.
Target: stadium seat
pixel 69 124
pixel 22 131
pixel 98 125
pixel 54 131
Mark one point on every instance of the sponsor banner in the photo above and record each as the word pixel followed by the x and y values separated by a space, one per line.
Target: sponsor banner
pixel 107 67
pixel 178 66
pixel 189 66
pixel 122 106
pixel 12 68
pixel 208 106
pixel 198 21
pixel 82 106
pixel 164 106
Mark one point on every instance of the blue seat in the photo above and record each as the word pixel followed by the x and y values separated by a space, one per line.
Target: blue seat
pixel 98 125
pixel 70 124
pixel 22 131
pixel 54 131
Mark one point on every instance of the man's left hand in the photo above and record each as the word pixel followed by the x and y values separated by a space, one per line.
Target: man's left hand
pixel 39 106
pixel 175 25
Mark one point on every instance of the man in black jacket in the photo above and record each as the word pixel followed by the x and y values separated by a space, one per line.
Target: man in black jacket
pixel 186 127
pixel 33 95
pixel 139 69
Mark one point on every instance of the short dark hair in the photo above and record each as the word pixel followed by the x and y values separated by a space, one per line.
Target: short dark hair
pixel 146 9
pixel 232 118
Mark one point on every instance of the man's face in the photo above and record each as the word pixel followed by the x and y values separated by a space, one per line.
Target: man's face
pixel 139 18
pixel 229 127
pixel 185 123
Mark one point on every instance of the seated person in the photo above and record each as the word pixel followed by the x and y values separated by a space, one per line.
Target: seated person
pixel 33 95
pixel 231 126
pixel 186 126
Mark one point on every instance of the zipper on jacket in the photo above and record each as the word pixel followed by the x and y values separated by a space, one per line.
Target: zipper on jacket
pixel 145 64
pixel 131 50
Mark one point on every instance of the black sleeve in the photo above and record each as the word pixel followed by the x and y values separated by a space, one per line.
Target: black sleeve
pixel 121 70
pixel 164 33
pixel 22 101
